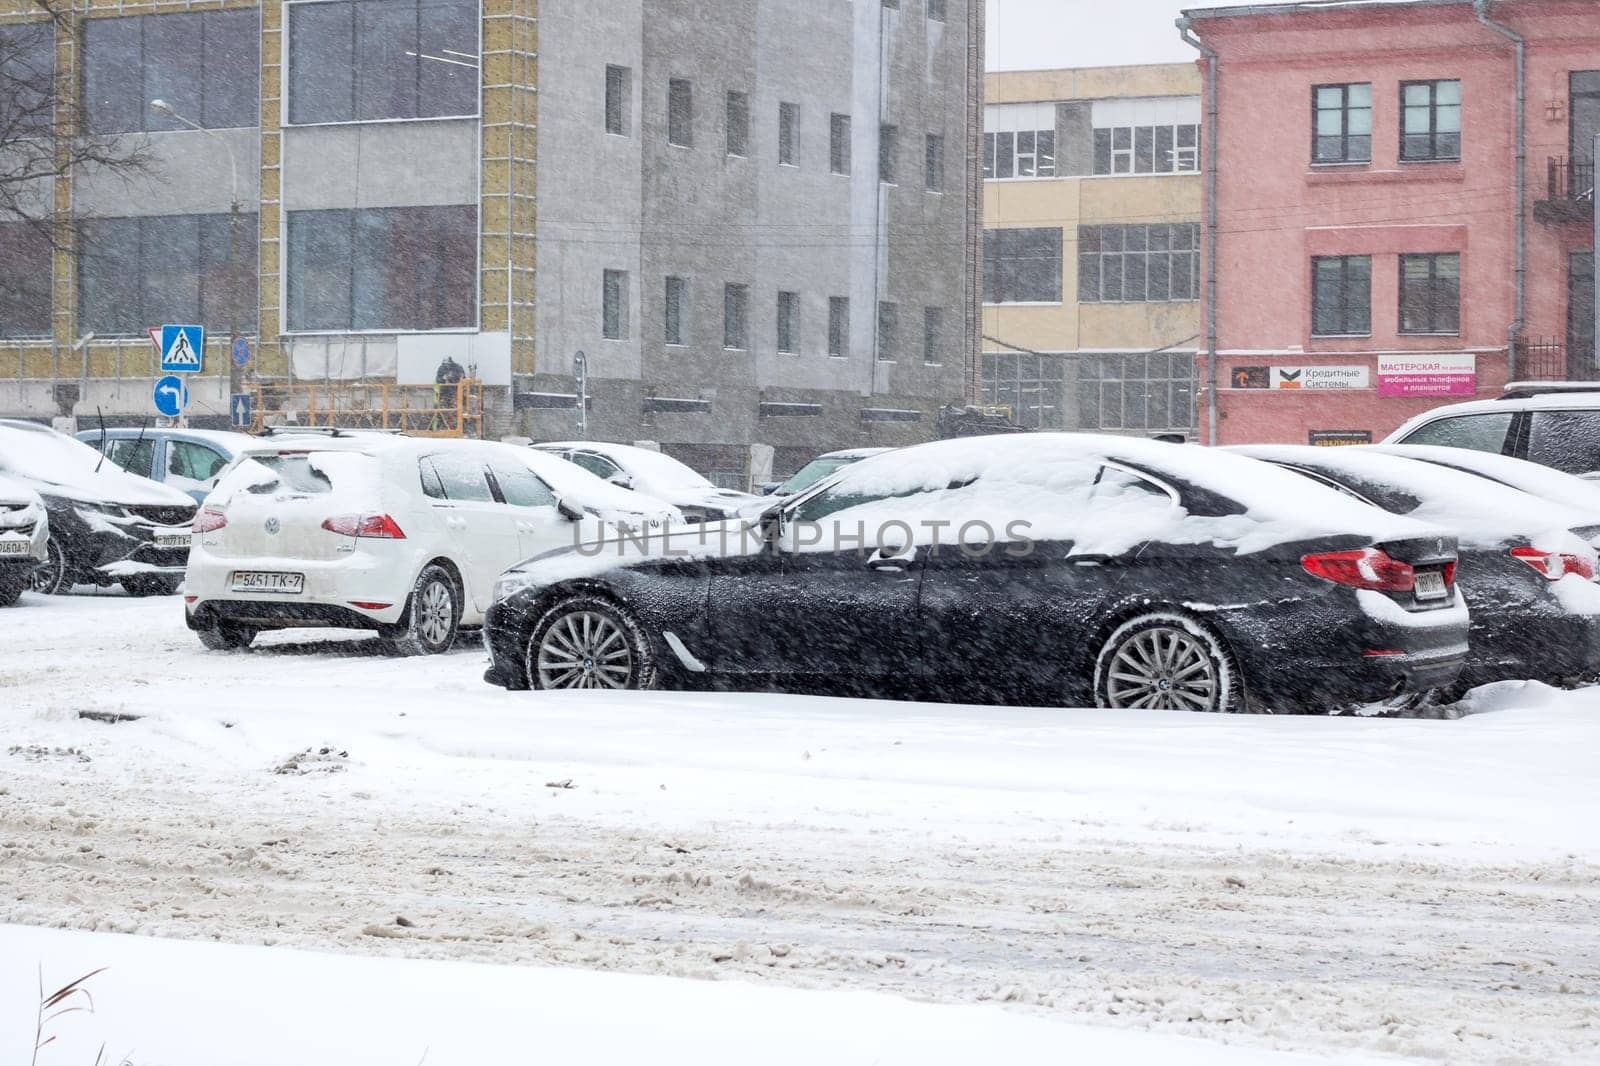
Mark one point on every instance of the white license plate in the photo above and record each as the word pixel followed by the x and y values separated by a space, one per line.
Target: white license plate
pixel 1430 585
pixel 172 540
pixel 268 581
pixel 15 547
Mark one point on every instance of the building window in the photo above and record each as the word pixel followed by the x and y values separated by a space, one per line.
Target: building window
pixel 838 326
pixel 1019 141
pixel 839 144
pixel 888 330
pixel 1341 295
pixel 936 10
pixel 789 135
pixel 888 143
pixel 1029 386
pixel 1342 120
pixel 935 163
pixel 205 64
pixel 680 113
pixel 1151 392
pixel 386 268
pixel 134 273
pixel 735 316
pixel 932 327
pixel 1146 136
pixel 1430 293
pixel 25 274
pixel 677 313
pixel 1022 266
pixel 1138 264
pixel 788 322
pixel 614 305
pixel 738 124
pixel 619 93
pixel 1581 356
pixel 1430 125
pixel 381 59
pixel 27 69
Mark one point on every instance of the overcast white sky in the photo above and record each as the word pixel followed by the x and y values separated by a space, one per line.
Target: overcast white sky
pixel 1039 34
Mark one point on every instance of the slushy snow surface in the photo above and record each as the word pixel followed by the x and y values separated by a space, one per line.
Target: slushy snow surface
pixel 1050 885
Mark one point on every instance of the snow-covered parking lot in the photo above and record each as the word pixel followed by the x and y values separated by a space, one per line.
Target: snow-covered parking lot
pixel 1420 888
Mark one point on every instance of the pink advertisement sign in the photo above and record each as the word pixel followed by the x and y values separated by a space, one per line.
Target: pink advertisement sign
pixel 1427 375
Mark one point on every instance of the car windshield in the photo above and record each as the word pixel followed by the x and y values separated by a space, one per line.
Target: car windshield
pixel 811 473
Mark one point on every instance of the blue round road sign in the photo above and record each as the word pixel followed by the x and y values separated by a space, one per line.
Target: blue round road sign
pixel 241 351
pixel 171 396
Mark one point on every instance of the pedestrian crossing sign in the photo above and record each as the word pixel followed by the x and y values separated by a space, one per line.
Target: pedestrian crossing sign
pixel 181 348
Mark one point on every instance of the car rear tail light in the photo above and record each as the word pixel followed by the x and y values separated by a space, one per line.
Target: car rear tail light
pixel 208 520
pixel 378 526
pixel 369 606
pixel 1556 565
pixel 1450 573
pixel 1364 568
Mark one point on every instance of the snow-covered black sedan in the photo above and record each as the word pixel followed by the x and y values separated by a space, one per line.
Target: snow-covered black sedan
pixel 1528 566
pixel 1065 569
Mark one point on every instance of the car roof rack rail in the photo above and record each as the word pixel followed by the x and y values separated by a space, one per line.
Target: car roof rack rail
pixel 326 431
pixel 1522 390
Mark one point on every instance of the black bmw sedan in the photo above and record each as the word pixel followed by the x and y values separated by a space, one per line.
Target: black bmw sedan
pixel 1055 568
pixel 1527 567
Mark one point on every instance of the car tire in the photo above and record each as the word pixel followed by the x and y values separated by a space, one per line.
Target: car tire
pixel 12 586
pixel 1163 660
pixel 53 577
pixel 433 615
pixel 226 636
pixel 589 642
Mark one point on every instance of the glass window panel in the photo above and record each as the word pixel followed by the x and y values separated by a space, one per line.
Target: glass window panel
pixel 1133 405
pixel 1447 92
pixel 1449 119
pixel 1005 164
pixel 386 77
pixel 1166 152
pixel 1046 167
pixel 1188 136
pixel 25 273
pixel 169 250
pixel 232 69
pixel 1135 238
pixel 1025 158
pixel 319 269
pixel 1418 120
pixel 1122 138
pixel 1417 95
pixel 1448 145
pixel 1359 95
pixel 1160 278
pixel 1144 150
pixel 112 80
pixel 1111 277
pixel 228 287
pixel 1111 405
pixel 1360 148
pixel 1330 123
pixel 447 29
pixel 173 68
pixel 1159 405
pixel 1160 238
pixel 1360 121
pixel 27 65
pixel 1102 151
pixel 1183 277
pixel 1089 278
pixel 1330 97
pixel 321 55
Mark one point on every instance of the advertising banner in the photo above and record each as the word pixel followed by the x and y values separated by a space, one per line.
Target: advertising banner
pixel 1320 377
pixel 1427 375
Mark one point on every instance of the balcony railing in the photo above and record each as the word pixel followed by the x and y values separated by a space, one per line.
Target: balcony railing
pixel 1569 192
pixel 1546 359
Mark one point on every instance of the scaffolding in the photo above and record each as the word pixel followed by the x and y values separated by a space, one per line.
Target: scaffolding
pixel 418 410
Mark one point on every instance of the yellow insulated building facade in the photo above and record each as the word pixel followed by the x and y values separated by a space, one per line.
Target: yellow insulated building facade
pixel 1092 237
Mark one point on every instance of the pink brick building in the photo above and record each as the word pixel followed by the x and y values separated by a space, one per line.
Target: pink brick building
pixel 1367 211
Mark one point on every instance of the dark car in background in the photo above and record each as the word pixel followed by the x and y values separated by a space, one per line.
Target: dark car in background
pixel 1527 566
pixel 106 525
pixel 1066 569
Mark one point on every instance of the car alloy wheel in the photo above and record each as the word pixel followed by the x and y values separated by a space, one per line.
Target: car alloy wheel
pixel 1166 662
pixel 50 576
pixel 584 649
pixel 436 612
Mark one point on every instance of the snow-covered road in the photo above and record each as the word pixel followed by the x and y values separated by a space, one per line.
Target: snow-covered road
pixel 1424 888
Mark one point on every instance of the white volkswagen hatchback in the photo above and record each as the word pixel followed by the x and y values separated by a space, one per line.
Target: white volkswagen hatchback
pixel 400 535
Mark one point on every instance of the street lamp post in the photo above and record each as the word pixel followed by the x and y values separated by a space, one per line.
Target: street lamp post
pixel 235 372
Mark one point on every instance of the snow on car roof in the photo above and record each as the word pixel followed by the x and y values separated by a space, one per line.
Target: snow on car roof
pixel 41 454
pixel 574 483
pixel 853 453
pixel 1557 401
pixel 233 442
pixel 657 469
pixel 1543 481
pixel 1480 512
pixel 1030 470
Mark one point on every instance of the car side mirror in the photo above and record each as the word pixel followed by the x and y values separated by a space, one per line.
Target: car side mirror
pixel 770 487
pixel 571 512
pixel 621 480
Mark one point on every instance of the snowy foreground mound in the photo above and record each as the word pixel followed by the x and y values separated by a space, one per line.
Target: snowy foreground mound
pixel 1194 888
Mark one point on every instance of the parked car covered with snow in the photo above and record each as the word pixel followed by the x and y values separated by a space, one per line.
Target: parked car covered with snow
pixel 1549 425
pixel 1069 569
pixel 1536 479
pixel 106 526
pixel 1527 565
pixel 400 535
pixel 653 474
pixel 24 531
pixel 813 472
pixel 188 460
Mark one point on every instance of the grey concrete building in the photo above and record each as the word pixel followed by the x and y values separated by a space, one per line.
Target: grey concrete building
pixel 755 218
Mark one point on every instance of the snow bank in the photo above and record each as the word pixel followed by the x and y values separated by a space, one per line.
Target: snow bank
pixel 183 1004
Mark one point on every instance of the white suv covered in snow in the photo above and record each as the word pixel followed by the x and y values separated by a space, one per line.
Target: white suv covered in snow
pixel 401 535
pixel 24 528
